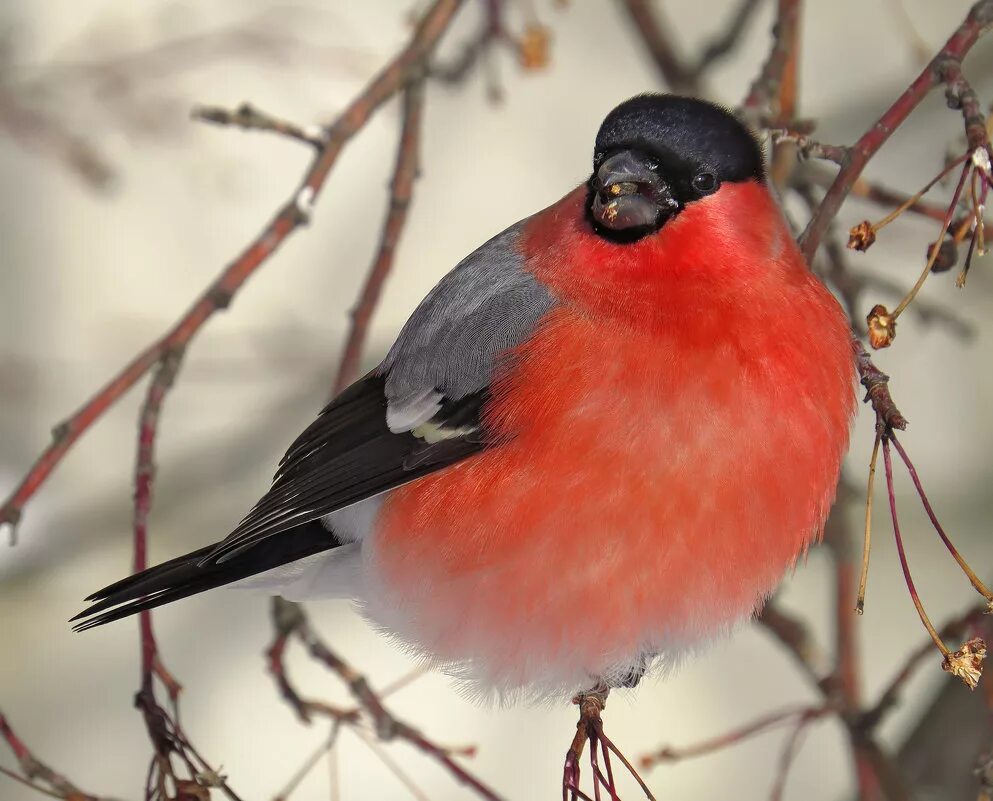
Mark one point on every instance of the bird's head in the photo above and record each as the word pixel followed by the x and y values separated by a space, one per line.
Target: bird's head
pixel 656 154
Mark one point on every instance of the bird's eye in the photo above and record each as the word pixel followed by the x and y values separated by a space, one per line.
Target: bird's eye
pixel 705 182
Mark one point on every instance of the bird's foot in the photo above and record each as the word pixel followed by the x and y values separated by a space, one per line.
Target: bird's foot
pixel 591 704
pixel 589 728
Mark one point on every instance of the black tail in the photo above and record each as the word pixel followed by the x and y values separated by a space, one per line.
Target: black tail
pixel 185 576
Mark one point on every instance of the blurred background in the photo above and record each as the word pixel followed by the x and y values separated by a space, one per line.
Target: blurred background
pixel 117 211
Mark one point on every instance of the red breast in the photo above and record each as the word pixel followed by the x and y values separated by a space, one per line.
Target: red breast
pixel 674 433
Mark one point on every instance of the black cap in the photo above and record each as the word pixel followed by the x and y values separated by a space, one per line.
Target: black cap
pixel 685 134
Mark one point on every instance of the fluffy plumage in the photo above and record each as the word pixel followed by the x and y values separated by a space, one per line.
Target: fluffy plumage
pixel 603 437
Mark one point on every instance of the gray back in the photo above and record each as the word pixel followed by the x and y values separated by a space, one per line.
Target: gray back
pixel 487 304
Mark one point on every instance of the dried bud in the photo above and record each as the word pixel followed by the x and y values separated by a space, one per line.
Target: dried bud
pixel 882 327
pixel 861 236
pixel 967 662
pixel 948 254
pixel 533 47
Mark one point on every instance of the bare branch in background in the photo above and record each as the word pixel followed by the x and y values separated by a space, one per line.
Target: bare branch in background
pixel 401 193
pixel 772 103
pixel 293 214
pixel 944 65
pixel 292 623
pixel 118 88
pixel 678 75
pixel 33 770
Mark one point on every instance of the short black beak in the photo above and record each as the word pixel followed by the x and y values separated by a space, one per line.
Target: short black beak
pixel 629 195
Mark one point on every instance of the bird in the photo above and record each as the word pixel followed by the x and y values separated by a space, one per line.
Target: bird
pixel 597 445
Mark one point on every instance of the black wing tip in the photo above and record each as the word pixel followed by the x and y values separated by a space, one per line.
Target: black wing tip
pixel 107 610
pixel 92 623
pixel 198 572
pixel 91 618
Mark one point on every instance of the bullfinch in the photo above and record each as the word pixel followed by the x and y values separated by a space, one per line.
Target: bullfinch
pixel 599 442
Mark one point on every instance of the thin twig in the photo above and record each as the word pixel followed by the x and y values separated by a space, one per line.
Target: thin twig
pixel 405 67
pixel 310 762
pixel 654 31
pixel 977 23
pixel 976 582
pixel 28 783
pixel 867 538
pixel 952 630
pixel 877 393
pixel 678 75
pixel 888 465
pixel 391 765
pixel 33 768
pixel 731 738
pixel 249 118
pixel 401 192
pixel 795 635
pixel 765 89
pixel 790 750
pixel 388 727
pixel 725 42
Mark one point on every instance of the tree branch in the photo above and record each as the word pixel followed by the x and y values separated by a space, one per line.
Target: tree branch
pixel 33 768
pixel 401 193
pixel 406 66
pixel 291 620
pixel 978 22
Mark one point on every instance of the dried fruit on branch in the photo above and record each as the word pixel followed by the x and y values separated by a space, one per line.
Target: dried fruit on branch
pixel 861 236
pixel 533 47
pixel 967 662
pixel 882 327
pixel 948 254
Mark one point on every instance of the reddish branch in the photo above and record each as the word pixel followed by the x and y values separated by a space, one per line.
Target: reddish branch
pixel 777 74
pixel 846 679
pixel 144 477
pixel 954 629
pixel 249 118
pixel 877 392
pixel 291 622
pixel 287 618
pixel 163 728
pixel 733 737
pixel 405 67
pixel 676 72
pixel 944 67
pixel 55 784
pixel 655 33
pixel 492 33
pixel 401 192
pixel 406 70
pixel 771 99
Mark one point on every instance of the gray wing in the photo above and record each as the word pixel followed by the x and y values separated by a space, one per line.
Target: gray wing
pixel 447 351
pixel 418 412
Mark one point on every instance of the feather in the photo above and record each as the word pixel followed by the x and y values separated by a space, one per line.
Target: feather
pixel 419 412
pixel 187 575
